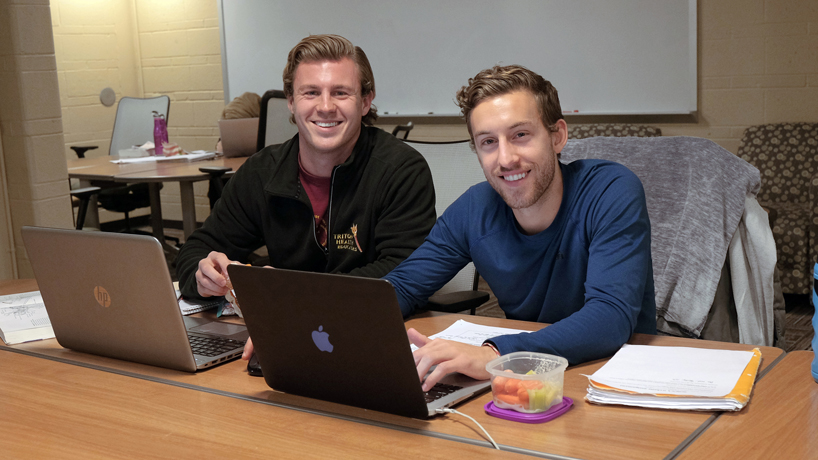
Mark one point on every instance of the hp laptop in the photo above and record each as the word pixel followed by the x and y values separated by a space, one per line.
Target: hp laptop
pixel 340 339
pixel 110 294
pixel 239 136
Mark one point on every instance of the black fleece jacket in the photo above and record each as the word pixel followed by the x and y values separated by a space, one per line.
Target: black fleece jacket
pixel 382 207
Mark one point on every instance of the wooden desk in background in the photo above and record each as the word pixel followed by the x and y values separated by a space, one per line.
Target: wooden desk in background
pixel 586 431
pixel 186 173
pixel 99 169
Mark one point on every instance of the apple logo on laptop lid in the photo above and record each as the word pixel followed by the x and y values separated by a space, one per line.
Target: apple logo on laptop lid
pixel 321 340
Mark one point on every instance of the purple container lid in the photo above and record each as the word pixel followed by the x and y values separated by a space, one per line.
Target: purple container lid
pixel 540 417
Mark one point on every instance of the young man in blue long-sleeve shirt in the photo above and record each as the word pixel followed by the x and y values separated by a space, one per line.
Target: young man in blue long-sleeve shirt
pixel 561 244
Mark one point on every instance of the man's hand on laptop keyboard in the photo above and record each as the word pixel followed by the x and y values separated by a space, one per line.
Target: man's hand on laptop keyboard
pixel 248 349
pixel 211 277
pixel 449 357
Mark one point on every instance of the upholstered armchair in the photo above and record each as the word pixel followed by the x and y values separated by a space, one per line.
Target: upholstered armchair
pixel 583 131
pixel 787 156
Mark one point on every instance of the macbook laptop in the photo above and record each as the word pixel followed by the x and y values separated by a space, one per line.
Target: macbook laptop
pixel 110 294
pixel 239 136
pixel 340 339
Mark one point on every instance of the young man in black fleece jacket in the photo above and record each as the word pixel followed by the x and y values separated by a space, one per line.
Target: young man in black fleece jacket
pixel 339 197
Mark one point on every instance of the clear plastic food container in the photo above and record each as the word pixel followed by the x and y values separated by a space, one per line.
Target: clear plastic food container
pixel 526 381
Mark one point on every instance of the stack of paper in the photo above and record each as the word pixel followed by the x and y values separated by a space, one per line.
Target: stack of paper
pixel 676 378
pixel 23 318
pixel 197 155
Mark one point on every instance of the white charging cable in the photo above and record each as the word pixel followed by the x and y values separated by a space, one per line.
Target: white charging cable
pixel 452 411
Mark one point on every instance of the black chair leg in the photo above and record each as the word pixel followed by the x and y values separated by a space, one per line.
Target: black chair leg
pixel 83 209
pixel 84 195
pixel 128 228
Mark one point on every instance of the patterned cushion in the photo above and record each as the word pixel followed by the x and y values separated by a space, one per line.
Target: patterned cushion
pixel 787 156
pixel 791 241
pixel 611 130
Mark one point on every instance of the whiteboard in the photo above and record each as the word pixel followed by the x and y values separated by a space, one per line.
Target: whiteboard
pixel 605 57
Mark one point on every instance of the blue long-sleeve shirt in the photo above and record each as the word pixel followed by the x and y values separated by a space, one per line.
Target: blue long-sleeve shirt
pixel 589 273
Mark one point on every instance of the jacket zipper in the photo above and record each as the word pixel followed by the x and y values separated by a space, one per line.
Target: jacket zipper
pixel 329 216
pixel 329 208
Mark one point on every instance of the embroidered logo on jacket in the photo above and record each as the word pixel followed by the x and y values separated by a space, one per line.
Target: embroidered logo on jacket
pixel 348 241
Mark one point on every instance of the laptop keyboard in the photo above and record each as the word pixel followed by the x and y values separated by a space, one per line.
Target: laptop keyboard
pixel 212 346
pixel 440 390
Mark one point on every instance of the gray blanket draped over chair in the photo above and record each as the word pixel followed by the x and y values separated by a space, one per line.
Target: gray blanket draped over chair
pixel 696 193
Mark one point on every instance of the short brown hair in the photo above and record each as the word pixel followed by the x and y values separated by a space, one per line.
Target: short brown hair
pixel 331 48
pixel 500 80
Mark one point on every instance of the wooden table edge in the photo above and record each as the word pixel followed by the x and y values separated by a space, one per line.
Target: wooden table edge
pixel 253 399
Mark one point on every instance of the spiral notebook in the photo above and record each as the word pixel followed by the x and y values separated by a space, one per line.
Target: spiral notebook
pixel 191 306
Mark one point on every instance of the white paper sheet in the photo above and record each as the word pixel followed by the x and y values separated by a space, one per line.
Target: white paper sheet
pixel 470 333
pixel 674 370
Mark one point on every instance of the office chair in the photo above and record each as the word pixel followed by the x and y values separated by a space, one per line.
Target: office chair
pixel 787 153
pixel 403 128
pixel 454 169
pixel 133 125
pixel 80 150
pixel 215 182
pixel 274 125
pixel 84 197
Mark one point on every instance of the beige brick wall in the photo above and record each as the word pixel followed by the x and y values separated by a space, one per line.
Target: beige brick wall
pixel 94 47
pixel 33 185
pixel 140 48
pixel 758 63
pixel 181 57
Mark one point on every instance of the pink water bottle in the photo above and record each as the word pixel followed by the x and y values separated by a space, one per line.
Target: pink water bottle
pixel 160 132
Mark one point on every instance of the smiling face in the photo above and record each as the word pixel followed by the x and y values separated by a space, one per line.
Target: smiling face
pixel 327 106
pixel 519 156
